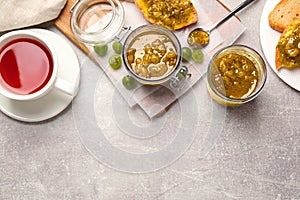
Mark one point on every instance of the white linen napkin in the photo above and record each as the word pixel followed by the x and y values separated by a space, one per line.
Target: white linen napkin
pixel 23 13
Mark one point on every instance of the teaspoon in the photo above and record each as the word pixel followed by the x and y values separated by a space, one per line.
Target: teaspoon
pixel 199 37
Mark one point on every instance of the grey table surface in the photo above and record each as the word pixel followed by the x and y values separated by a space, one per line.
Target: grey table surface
pixel 254 154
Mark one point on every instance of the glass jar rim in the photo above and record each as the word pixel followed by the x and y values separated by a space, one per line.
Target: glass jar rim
pixel 111 29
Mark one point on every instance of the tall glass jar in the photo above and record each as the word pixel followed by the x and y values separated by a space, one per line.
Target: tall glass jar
pixel 97 21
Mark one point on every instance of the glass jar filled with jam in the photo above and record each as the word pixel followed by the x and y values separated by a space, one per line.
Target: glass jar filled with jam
pixel 152 55
pixel 236 75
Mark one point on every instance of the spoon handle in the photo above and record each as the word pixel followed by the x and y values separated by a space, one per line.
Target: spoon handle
pixel 232 13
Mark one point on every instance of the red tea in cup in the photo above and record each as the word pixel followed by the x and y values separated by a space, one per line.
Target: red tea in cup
pixel 26 66
pixel 29 67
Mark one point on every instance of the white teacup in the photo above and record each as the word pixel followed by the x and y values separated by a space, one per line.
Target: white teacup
pixel 29 66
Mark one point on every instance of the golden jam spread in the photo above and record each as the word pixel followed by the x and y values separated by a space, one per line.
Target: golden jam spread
pixel 198 38
pixel 172 14
pixel 152 55
pixel 289 47
pixel 234 75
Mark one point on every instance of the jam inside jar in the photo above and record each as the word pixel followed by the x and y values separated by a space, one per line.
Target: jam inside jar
pixel 152 55
pixel 97 21
pixel 236 75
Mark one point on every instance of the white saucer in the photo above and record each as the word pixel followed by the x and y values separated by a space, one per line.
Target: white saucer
pixel 55 101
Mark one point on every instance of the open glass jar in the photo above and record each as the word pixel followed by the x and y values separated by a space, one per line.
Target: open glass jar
pixel 152 55
pixel 236 75
pixel 97 21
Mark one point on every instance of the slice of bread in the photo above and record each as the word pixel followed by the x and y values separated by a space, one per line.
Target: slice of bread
pixel 172 14
pixel 283 14
pixel 288 47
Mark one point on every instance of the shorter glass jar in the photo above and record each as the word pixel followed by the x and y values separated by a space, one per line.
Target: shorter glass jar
pixel 97 21
pixel 235 69
pixel 155 41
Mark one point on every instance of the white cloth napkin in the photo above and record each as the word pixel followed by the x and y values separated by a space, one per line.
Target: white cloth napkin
pixel 23 13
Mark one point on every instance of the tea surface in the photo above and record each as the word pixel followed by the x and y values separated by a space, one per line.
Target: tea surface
pixel 26 66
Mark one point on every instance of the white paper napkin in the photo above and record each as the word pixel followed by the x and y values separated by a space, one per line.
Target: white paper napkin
pixel 23 13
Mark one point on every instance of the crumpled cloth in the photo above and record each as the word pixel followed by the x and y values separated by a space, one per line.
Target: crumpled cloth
pixel 23 13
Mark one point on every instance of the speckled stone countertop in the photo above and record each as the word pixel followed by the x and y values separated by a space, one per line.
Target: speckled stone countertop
pixel 251 152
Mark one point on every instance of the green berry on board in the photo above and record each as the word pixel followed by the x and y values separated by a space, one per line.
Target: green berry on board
pixel 186 54
pixel 197 55
pixel 117 47
pixel 128 82
pixel 101 50
pixel 115 61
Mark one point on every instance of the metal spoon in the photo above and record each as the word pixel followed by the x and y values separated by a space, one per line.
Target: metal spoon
pixel 199 37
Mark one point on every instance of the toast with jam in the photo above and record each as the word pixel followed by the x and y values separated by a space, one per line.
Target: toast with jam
pixel 288 47
pixel 171 14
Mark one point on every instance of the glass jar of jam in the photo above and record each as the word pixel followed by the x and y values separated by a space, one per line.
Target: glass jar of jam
pixel 152 55
pixel 236 75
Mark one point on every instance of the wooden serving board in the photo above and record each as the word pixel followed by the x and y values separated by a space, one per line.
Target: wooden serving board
pixel 64 25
